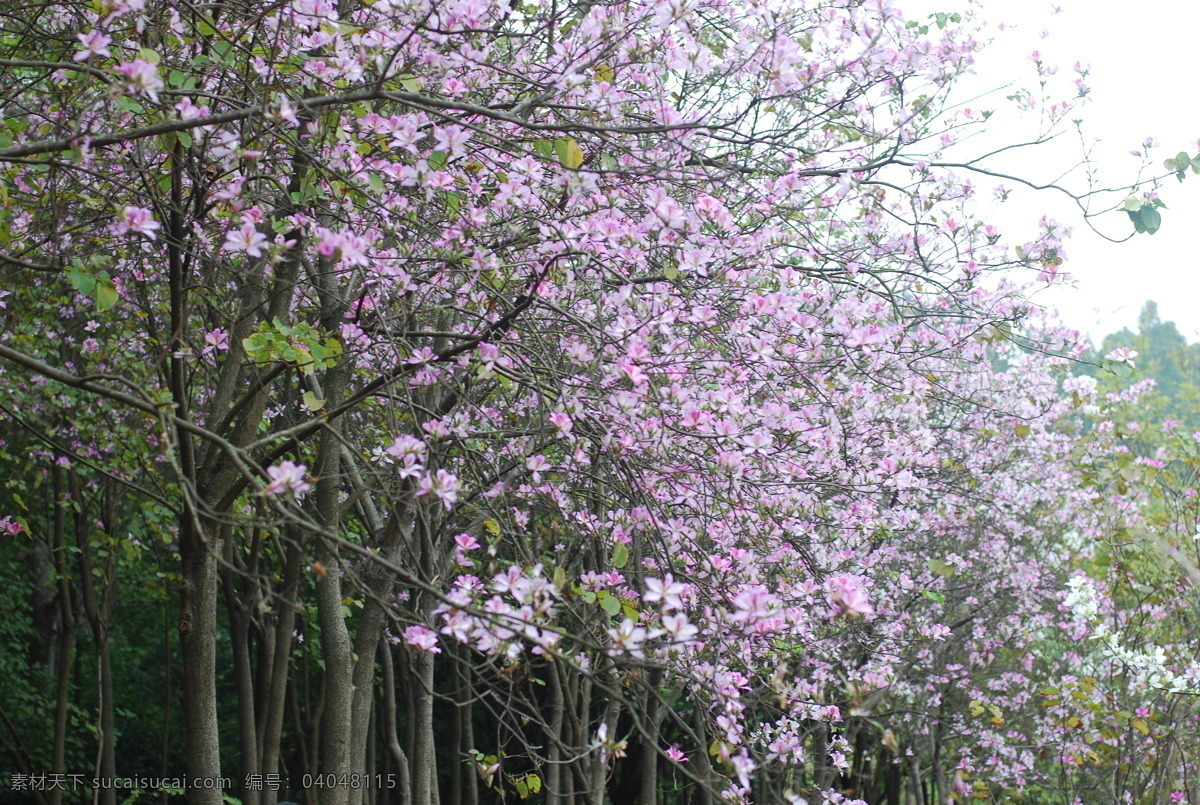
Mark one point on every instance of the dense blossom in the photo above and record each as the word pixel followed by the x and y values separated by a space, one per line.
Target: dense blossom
pixel 651 348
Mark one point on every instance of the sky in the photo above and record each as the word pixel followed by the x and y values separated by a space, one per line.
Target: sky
pixel 1142 61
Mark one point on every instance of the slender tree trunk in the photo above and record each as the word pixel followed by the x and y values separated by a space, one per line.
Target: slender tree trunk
pixel 404 781
pixel 554 738
pixel 915 784
pixel 243 675
pixel 337 647
pixel 424 755
pixel 649 749
pixel 168 697
pixel 467 713
pixel 106 765
pixel 704 768
pixel 599 776
pixel 457 737
pixel 892 785
pixel 280 665
pixel 198 644
pixel 66 636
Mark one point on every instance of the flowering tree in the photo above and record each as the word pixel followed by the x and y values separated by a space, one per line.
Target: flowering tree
pixel 625 393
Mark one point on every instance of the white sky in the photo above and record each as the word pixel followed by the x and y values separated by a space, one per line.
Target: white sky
pixel 1143 71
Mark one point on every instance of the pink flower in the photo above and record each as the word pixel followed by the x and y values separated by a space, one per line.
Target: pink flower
pixel 847 596
pixel 1122 355
pixel 94 44
pixel 407 446
pixel 287 476
pixel 215 340
pixel 678 628
pixel 466 542
pixel 247 239
pixel 562 423
pixel 342 247
pixel 674 754
pixel 143 76
pixel 442 485
pixel 451 140
pixel 666 590
pixel 537 465
pixel 10 527
pixel 422 639
pixel 135 219
pixel 190 111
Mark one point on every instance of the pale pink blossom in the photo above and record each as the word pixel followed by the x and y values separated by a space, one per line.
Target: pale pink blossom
pixel 287 475
pixel 666 590
pixel 246 239
pixel 422 639
pixel 143 77
pixel 94 44
pixel 442 485
pixel 135 219
pixel 847 596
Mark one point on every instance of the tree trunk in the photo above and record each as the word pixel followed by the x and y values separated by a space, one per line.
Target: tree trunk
pixel 404 781
pixel 280 666
pixel 554 737
pixel 66 637
pixel 106 760
pixel 198 644
pixel 243 675
pixel 650 719
pixel 424 755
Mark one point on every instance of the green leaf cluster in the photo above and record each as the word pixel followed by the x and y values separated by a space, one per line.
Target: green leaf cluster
pixel 299 344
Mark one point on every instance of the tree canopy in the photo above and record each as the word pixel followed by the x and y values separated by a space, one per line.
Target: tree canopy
pixel 561 401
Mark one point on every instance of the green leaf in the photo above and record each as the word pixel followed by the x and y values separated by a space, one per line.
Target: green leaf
pixel 1132 204
pixel 106 293
pixel 81 280
pixel 620 555
pixel 1151 219
pixel 312 402
pixel 609 603
pixel 410 83
pixel 941 568
pixel 1022 431
pixel 570 155
pixel 1118 368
